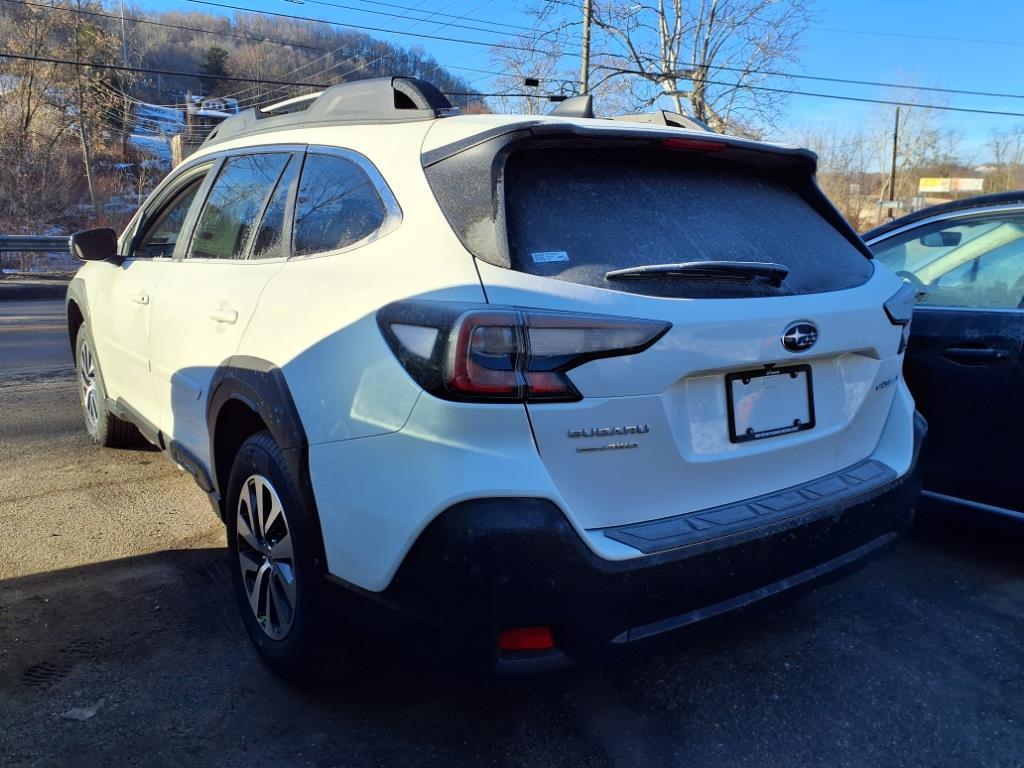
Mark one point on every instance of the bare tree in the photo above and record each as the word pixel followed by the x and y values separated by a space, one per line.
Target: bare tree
pixel 925 147
pixel 707 57
pixel 1007 148
pixel 843 160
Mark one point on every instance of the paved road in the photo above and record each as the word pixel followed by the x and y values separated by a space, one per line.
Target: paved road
pixel 33 338
pixel 114 608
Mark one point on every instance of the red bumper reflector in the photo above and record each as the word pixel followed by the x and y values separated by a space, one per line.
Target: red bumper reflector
pixel 526 639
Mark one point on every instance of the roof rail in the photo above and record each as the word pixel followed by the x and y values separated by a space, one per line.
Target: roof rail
pixel 294 104
pixel 377 100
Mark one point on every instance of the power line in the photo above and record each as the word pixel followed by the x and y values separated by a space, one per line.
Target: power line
pixel 167 24
pixel 248 95
pixel 148 70
pixel 743 70
pixel 203 76
pixel 519 27
pixel 153 71
pixel 769 73
pixel 402 16
pixel 443 38
pixel 683 73
pixel 890 102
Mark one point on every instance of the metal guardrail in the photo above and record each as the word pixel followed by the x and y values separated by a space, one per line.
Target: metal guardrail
pixel 33 243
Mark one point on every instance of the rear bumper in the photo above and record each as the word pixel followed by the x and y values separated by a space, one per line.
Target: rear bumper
pixel 489 564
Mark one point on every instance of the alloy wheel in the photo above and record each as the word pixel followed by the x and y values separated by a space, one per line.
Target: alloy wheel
pixel 87 383
pixel 265 556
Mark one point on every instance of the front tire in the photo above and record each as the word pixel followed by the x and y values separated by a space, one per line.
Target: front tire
pixel 273 543
pixel 103 427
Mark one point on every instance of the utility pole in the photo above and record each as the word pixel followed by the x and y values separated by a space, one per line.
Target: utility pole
pixel 127 114
pixel 585 56
pixel 892 170
pixel 83 129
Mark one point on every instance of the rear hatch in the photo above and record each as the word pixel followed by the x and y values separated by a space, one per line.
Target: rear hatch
pixel 776 368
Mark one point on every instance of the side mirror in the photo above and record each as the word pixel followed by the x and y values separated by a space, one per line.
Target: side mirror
pixel 94 244
pixel 940 239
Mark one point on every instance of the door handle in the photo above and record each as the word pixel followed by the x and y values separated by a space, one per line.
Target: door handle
pixel 221 315
pixel 975 355
pixel 141 297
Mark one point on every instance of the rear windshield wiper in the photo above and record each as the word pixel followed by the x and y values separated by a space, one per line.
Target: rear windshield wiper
pixel 706 270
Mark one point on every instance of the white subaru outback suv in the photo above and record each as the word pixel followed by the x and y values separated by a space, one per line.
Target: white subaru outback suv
pixel 553 384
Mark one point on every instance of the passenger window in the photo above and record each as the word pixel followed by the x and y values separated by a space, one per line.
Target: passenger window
pixel 162 235
pixel 269 242
pixel 337 205
pixel 978 263
pixel 235 201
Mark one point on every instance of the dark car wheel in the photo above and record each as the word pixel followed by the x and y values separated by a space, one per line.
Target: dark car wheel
pixel 103 427
pixel 273 542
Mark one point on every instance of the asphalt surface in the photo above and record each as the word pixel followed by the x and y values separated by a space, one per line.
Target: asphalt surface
pixel 120 645
pixel 33 338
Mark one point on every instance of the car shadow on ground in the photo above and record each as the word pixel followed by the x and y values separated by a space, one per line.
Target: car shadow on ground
pixel 917 658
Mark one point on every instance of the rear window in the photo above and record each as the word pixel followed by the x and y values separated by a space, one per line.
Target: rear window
pixel 574 214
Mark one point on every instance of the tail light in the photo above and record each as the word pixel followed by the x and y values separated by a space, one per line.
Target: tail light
pixel 505 354
pixel 695 145
pixel 900 309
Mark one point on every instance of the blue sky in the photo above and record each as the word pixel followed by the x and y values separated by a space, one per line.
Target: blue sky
pixel 946 43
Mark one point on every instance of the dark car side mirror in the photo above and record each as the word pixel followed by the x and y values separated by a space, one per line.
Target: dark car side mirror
pixel 940 239
pixel 94 244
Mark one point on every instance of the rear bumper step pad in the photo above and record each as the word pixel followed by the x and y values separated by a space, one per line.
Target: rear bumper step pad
pixel 730 519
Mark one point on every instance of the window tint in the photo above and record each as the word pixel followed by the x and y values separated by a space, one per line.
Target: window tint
pixel 574 214
pixel 337 205
pixel 236 199
pixel 269 242
pixel 162 235
pixel 976 263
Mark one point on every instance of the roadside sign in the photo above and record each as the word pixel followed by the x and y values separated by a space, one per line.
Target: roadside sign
pixel 968 185
pixel 931 184
pixel 890 204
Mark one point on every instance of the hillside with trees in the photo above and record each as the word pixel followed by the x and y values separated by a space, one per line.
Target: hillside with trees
pixel 81 145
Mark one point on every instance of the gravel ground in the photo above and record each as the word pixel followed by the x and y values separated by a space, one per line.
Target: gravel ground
pixel 120 645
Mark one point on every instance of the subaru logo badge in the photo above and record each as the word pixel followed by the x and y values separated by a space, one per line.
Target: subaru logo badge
pixel 800 337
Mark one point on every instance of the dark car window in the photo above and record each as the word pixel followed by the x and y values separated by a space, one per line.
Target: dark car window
pixel 974 263
pixel 269 242
pixel 574 214
pixel 337 206
pixel 161 236
pixel 235 201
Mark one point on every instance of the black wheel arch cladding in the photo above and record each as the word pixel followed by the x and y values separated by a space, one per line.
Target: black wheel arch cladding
pixel 76 303
pixel 261 387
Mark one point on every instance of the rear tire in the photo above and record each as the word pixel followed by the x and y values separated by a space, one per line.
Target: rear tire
pixel 273 542
pixel 103 427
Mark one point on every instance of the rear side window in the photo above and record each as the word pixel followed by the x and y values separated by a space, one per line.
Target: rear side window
pixel 269 242
pixel 234 204
pixel 575 214
pixel 337 206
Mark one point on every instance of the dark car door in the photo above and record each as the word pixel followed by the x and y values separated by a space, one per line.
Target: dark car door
pixel 964 363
